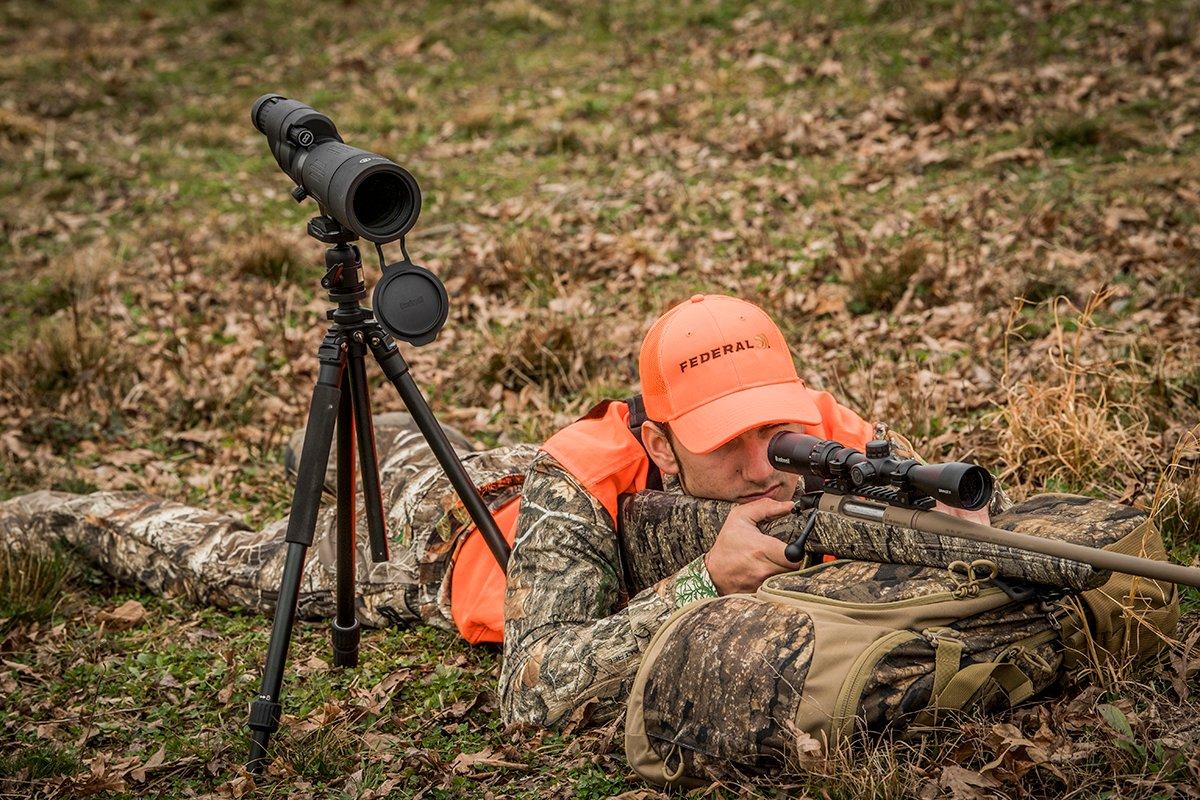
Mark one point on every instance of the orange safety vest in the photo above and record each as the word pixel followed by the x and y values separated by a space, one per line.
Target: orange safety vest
pixel 608 459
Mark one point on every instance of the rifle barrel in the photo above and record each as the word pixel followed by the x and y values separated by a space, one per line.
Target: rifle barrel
pixel 941 524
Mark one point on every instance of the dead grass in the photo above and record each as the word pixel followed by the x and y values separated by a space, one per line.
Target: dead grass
pixel 1180 520
pixel 268 256
pixel 18 128
pixel 1066 131
pixel 910 406
pixel 84 360
pixel 526 258
pixel 1062 430
pixel 32 581
pixel 887 769
pixel 554 354
pixel 1176 504
pixel 326 752
pixel 73 356
pixel 480 115
pixel 880 279
pixel 524 14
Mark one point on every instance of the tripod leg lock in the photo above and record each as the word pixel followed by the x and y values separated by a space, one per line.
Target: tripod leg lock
pixel 345 644
pixel 264 715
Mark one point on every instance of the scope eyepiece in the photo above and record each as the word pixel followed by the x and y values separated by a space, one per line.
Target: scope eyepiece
pixel 800 453
pixel 365 192
pixel 259 105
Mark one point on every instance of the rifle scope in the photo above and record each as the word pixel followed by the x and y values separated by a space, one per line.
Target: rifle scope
pixel 368 194
pixel 954 483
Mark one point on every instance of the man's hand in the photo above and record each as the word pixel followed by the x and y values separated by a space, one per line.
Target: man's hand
pixel 743 557
pixel 979 515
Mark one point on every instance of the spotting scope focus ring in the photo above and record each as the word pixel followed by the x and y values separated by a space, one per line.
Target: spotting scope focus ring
pixel 259 105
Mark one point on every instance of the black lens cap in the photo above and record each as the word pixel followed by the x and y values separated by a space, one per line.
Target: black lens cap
pixel 410 302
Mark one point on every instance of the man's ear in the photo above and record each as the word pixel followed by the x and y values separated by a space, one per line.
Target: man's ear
pixel 655 440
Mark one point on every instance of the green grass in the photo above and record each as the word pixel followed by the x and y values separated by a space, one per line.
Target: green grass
pixel 181 681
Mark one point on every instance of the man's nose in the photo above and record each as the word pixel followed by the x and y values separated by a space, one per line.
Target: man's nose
pixel 757 469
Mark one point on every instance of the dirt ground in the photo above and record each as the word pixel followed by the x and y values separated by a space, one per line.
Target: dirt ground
pixel 979 222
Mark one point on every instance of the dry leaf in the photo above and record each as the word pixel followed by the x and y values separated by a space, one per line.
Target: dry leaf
pixel 806 745
pixel 828 298
pixel 139 773
pixel 1118 215
pixel 465 762
pixel 123 617
pixel 966 784
pixel 409 46
pixel 238 787
pixel 1020 155
pixel 829 68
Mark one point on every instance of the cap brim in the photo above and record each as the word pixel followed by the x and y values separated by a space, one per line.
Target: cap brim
pixel 711 425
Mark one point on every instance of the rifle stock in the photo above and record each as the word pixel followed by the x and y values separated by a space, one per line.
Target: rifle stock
pixel 660 533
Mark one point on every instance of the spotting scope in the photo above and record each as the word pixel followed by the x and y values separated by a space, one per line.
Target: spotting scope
pixel 368 194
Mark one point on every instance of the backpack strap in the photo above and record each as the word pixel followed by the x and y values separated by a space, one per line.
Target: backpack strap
pixel 947 662
pixel 971 683
pixel 637 415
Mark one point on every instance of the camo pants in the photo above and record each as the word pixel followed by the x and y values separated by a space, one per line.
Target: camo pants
pixel 215 559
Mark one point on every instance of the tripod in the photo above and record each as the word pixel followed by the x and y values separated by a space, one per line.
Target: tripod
pixel 340 401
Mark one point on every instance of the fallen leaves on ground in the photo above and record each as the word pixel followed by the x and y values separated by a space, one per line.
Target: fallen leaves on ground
pixel 124 616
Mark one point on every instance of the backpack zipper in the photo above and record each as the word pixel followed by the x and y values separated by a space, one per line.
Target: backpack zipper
pixel 856 679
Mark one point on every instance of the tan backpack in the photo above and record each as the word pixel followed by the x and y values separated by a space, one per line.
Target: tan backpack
pixel 744 684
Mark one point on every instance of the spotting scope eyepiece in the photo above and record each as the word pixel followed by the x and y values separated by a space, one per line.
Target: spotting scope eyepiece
pixel 368 194
pixel 954 483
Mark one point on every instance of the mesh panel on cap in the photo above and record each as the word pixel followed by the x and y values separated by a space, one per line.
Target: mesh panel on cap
pixel 652 378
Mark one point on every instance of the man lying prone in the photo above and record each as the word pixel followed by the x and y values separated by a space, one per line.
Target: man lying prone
pixel 717 382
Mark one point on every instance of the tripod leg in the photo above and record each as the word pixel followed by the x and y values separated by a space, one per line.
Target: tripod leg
pixel 372 498
pixel 302 523
pixel 345 628
pixel 396 369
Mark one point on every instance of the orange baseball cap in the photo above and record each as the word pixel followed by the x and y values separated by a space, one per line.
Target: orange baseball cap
pixel 715 367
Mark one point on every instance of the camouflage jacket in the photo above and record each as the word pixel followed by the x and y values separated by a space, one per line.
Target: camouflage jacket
pixel 571 641
pixel 571 635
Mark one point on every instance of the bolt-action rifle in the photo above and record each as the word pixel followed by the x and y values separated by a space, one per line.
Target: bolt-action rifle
pixel 661 532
